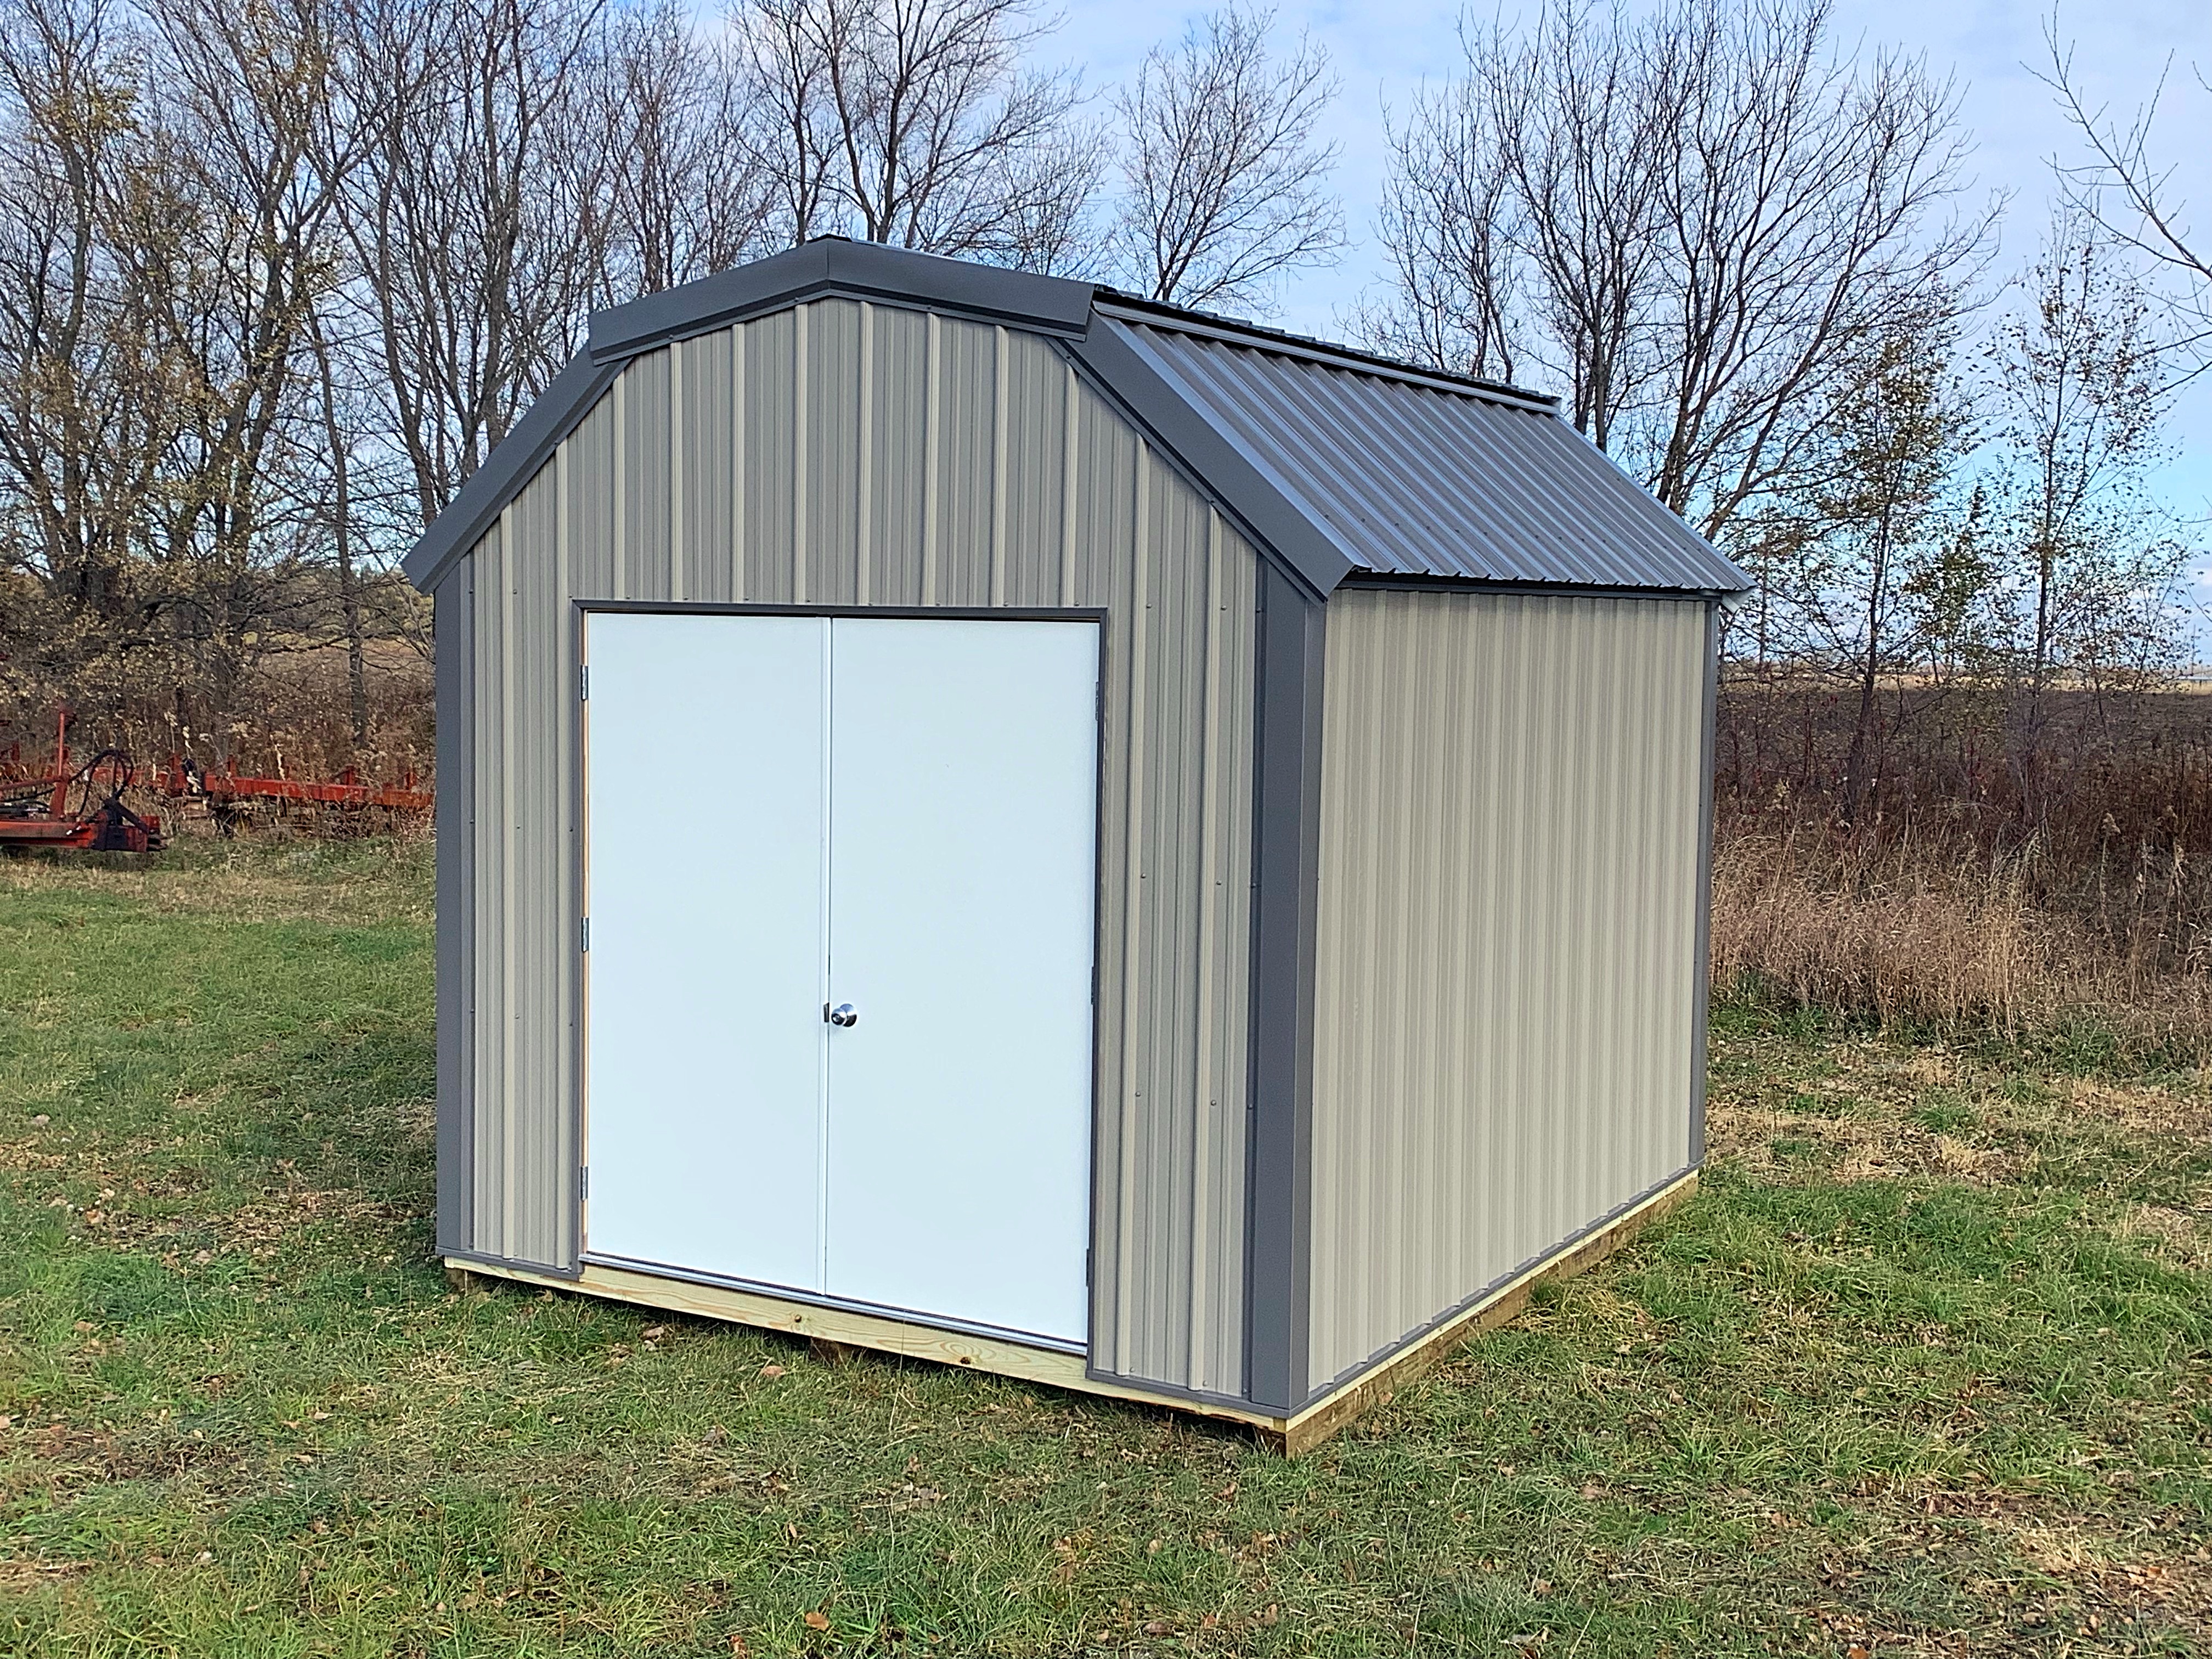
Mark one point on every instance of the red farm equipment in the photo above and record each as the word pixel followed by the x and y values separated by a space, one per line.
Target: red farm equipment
pixel 78 810
pixel 182 777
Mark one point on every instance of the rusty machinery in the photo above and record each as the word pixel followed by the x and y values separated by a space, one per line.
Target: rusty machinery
pixel 35 807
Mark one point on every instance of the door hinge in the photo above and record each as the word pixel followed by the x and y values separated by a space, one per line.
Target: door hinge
pixel 584 1181
pixel 1086 1267
pixel 588 932
pixel 583 685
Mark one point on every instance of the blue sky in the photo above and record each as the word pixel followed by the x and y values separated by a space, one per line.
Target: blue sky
pixel 1384 48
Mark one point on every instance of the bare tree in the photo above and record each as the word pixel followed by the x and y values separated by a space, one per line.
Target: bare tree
pixel 2089 560
pixel 85 395
pixel 1226 189
pixel 241 113
pixel 914 122
pixel 1694 219
pixel 479 222
pixel 685 195
pixel 1855 552
pixel 1524 211
pixel 2150 217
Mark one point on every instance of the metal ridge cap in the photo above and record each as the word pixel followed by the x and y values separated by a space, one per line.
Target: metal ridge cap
pixel 833 265
pixel 1254 337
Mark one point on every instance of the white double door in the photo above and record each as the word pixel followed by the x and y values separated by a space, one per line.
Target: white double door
pixel 789 815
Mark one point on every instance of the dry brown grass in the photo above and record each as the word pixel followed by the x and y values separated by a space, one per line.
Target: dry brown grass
pixel 1974 886
pixel 292 718
pixel 1957 940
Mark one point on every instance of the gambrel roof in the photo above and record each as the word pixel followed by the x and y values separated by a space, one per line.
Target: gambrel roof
pixel 1344 465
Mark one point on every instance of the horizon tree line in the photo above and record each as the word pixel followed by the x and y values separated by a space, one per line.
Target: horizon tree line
pixel 277 277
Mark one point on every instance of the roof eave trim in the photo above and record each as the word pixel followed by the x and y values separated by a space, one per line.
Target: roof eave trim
pixel 1425 582
pixel 860 270
pixel 1151 392
pixel 555 414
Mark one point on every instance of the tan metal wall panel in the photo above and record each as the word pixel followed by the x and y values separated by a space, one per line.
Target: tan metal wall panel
pixel 840 454
pixel 703 395
pixel 898 425
pixel 1506 983
pixel 767 451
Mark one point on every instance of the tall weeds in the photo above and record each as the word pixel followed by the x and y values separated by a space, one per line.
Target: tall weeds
pixel 1972 891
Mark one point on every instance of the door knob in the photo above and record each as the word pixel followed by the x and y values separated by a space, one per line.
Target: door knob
pixel 843 1014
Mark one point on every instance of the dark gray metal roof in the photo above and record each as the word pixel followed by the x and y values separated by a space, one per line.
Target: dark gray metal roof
pixel 1343 465
pixel 1411 475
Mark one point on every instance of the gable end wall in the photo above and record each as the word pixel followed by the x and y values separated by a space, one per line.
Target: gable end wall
pixel 845 453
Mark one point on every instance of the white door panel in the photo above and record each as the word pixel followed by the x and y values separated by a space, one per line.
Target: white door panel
pixel 705 776
pixel 963 791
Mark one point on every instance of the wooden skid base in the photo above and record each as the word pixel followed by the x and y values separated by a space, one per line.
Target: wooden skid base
pixel 1325 1416
pixel 834 1328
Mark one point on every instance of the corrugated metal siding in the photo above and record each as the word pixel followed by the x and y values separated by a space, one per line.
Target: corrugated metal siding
pixel 1507 977
pixel 1411 480
pixel 848 454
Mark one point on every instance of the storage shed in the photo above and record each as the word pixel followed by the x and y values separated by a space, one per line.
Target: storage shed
pixel 985 818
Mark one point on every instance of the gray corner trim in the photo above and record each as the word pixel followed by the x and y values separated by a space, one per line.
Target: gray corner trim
pixel 453 622
pixel 1702 987
pixel 577 714
pixel 1285 903
pixel 1420 1333
pixel 555 414
pixel 535 1269
pixel 860 269
pixel 1155 396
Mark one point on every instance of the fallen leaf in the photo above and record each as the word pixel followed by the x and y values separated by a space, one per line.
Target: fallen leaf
pixel 817 1621
pixel 771 1371
pixel 1156 1628
pixel 738 1647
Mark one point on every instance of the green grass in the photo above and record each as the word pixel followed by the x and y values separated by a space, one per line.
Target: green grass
pixel 1922 1369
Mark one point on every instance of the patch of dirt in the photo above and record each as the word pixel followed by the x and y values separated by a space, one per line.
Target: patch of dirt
pixel 153 1208
pixel 1866 1114
pixel 1852 1148
pixel 2148 1111
pixel 63 1456
pixel 255 1228
pixel 21 1577
pixel 2182 1236
pixel 2091 1578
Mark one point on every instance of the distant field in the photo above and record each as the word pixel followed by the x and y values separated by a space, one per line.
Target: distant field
pixel 1923 1369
